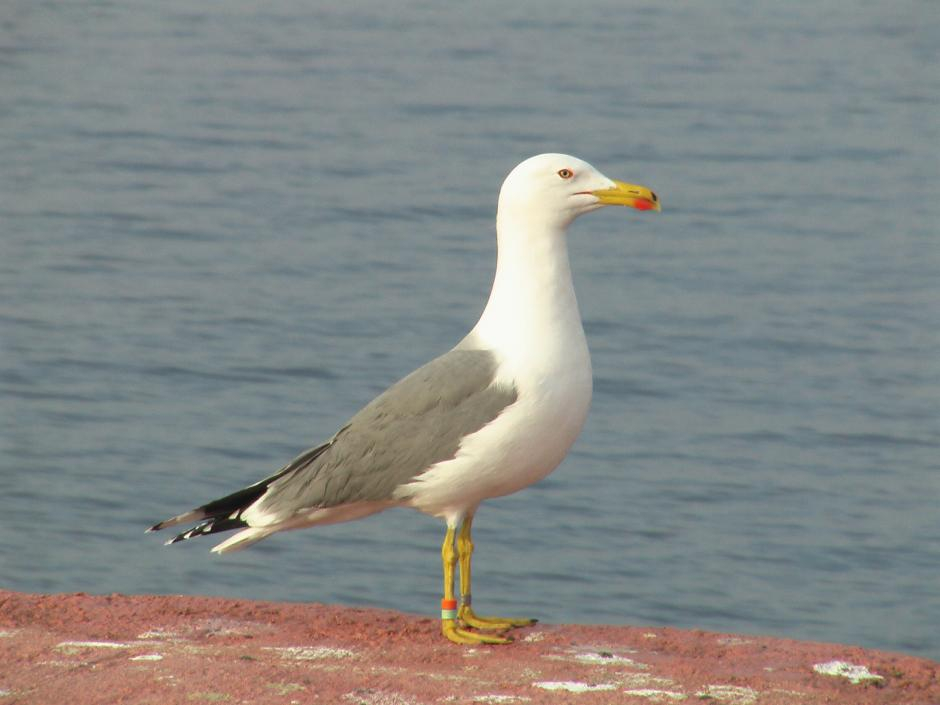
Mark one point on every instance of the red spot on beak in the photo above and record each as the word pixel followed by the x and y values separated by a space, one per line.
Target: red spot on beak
pixel 643 205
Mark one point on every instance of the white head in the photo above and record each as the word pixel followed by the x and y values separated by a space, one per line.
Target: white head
pixel 554 189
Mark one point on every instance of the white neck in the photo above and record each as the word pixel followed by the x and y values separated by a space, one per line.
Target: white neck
pixel 532 317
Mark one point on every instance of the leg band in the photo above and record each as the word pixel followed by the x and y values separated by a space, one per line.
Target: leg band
pixel 448 609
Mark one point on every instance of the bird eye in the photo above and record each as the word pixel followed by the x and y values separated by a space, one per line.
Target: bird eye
pixel 565 173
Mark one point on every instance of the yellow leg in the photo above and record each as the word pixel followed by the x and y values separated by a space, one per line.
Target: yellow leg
pixel 465 614
pixel 449 626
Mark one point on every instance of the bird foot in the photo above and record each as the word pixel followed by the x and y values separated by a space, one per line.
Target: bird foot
pixel 457 635
pixel 467 616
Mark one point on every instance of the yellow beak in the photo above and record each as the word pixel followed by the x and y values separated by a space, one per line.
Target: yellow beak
pixel 623 194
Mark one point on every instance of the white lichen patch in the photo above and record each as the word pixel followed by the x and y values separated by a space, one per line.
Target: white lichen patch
pixel 731 694
pixel 75 645
pixel 644 681
pixel 655 695
pixel 573 686
pixel 231 627
pixel 158 634
pixel 733 641
pixel 8 633
pixel 500 699
pixel 310 653
pixel 534 636
pixel 147 657
pixel 210 696
pixel 855 673
pixel 599 657
pixel 284 688
pixel 606 658
pixel 365 696
pixel 790 694
pixel 57 663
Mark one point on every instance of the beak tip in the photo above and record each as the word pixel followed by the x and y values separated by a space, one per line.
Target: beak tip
pixel 623 194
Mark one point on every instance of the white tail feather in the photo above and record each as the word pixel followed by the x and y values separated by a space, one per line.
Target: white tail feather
pixel 243 539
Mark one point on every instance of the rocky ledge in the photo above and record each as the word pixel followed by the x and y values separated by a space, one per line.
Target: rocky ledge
pixel 81 649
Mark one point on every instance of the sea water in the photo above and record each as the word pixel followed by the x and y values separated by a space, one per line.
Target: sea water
pixel 226 227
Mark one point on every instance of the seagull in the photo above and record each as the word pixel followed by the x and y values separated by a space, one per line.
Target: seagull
pixel 493 415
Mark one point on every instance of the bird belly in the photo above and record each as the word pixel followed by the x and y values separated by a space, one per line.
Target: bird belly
pixel 518 448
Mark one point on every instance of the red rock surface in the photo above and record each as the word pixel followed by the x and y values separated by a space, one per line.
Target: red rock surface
pixel 80 649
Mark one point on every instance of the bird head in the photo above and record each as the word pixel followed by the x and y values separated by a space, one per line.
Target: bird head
pixel 557 188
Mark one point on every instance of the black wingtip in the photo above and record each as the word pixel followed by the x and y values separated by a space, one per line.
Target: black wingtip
pixel 209 526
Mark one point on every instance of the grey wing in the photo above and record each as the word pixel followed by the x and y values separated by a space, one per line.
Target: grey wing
pixel 417 422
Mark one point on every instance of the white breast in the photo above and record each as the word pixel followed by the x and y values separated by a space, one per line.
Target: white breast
pixel 532 324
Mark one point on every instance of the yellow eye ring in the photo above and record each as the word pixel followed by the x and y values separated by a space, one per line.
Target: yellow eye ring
pixel 565 173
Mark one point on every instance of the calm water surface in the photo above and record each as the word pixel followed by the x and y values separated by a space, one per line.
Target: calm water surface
pixel 225 227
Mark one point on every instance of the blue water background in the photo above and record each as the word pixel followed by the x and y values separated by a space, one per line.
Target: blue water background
pixel 224 227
